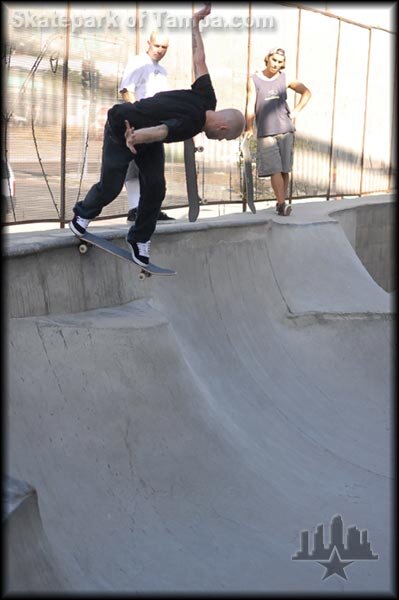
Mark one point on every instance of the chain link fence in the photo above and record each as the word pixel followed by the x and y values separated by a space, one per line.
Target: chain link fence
pixel 62 66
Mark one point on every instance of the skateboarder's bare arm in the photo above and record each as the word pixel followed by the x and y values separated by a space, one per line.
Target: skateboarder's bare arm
pixel 199 63
pixel 146 135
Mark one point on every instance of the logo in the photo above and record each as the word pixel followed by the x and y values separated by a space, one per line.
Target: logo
pixel 337 555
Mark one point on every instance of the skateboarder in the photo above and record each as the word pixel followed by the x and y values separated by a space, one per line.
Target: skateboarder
pixel 267 105
pixel 143 77
pixel 139 129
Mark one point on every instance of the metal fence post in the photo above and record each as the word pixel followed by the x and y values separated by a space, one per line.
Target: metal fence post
pixel 365 115
pixel 64 118
pixel 298 45
pixel 333 112
pixel 137 28
pixel 244 197
pixel 392 171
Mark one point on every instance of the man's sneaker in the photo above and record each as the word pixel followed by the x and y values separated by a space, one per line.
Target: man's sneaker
pixel 132 215
pixel 283 209
pixel 140 252
pixel 164 217
pixel 79 225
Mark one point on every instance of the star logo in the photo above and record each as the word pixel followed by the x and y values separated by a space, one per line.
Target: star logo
pixel 335 566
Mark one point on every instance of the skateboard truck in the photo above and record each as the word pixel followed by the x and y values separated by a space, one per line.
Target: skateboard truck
pixel 144 275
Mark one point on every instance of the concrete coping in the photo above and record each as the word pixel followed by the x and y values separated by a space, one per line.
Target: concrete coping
pixel 305 214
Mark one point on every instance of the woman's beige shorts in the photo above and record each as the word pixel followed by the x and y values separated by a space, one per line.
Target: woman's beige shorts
pixel 275 154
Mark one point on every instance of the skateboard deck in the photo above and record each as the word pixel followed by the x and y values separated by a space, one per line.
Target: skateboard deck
pixel 194 199
pixel 248 182
pixel 89 239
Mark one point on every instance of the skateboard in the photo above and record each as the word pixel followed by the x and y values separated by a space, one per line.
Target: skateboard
pixel 88 239
pixel 247 180
pixel 194 199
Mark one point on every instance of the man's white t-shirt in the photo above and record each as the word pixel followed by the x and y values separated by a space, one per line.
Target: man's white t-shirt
pixel 144 76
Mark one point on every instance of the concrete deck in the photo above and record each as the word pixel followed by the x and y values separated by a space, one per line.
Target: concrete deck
pixel 181 433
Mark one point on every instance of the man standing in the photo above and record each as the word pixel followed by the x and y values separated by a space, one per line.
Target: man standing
pixel 267 104
pixel 143 77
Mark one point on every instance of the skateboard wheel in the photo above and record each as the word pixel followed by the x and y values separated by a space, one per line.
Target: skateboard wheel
pixel 144 275
pixel 83 248
pixel 199 149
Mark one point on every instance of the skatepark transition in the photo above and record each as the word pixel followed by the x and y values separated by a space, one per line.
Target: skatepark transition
pixel 202 433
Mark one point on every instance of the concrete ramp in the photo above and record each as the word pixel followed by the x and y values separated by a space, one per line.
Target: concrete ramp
pixel 184 438
pixel 30 563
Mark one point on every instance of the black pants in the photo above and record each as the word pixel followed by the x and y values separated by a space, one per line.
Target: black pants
pixel 115 161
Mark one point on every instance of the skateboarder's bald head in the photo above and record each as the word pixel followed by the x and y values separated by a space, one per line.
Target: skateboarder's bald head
pixel 225 124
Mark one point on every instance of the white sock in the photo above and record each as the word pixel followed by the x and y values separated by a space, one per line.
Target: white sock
pixel 133 192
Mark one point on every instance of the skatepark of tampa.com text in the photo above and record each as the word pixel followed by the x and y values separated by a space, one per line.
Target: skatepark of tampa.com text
pixel 26 19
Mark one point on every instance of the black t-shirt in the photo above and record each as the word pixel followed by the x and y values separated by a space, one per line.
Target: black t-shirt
pixel 182 111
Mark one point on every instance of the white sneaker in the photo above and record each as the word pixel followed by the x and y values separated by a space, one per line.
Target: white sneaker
pixel 140 252
pixel 78 225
